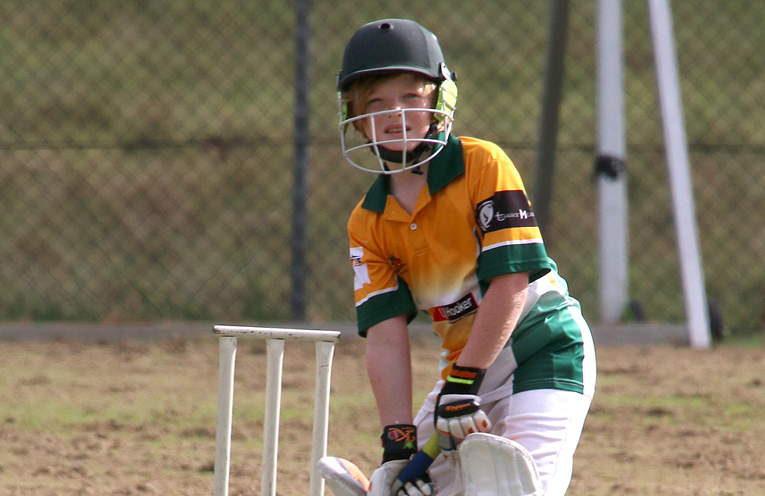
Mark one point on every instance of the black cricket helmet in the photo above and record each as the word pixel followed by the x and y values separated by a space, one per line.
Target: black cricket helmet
pixel 393 46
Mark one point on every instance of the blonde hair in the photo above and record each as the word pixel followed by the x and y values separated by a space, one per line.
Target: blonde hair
pixel 358 94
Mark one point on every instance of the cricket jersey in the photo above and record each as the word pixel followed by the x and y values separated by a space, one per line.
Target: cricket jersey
pixel 472 222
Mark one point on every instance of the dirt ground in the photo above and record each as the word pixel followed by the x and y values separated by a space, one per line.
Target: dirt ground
pixel 139 419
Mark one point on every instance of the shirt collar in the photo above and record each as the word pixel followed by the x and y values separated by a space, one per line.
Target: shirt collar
pixel 445 167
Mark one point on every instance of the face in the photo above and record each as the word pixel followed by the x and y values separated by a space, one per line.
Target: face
pixel 398 100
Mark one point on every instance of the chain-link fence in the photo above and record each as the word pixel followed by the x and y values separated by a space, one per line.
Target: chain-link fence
pixel 147 151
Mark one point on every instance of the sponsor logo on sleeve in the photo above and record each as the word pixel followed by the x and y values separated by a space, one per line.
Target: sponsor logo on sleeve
pixel 455 311
pixel 360 271
pixel 505 210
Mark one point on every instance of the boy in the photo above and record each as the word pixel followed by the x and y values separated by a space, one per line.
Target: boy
pixel 447 229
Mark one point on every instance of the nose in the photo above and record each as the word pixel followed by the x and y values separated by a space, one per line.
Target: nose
pixel 394 112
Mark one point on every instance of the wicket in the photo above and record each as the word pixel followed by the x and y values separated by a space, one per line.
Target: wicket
pixel 275 337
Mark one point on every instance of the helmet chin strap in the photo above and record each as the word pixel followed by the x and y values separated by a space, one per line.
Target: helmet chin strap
pixel 416 154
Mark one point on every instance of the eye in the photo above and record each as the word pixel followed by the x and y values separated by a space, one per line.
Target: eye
pixel 374 104
pixel 415 100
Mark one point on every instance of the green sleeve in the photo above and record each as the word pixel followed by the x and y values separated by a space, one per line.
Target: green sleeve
pixel 385 306
pixel 531 258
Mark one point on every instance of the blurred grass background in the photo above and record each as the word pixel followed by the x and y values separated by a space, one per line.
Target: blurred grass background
pixel 146 152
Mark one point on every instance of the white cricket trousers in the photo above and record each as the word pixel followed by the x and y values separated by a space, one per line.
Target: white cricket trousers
pixel 547 422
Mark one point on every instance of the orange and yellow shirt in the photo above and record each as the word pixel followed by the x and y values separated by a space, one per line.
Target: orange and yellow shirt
pixel 472 222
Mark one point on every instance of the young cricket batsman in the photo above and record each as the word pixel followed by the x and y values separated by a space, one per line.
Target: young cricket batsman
pixel 447 229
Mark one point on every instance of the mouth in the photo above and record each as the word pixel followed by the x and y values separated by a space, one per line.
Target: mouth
pixel 396 130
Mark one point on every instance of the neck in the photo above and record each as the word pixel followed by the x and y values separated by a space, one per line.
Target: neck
pixel 406 187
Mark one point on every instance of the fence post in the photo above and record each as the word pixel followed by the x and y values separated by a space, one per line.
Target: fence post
pixel 681 188
pixel 548 122
pixel 613 228
pixel 302 143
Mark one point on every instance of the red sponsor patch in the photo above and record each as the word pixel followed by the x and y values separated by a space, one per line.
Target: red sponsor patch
pixel 455 311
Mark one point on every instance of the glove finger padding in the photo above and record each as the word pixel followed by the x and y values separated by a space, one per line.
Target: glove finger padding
pixel 458 407
pixel 418 487
pixel 382 480
pixel 478 422
pixel 457 417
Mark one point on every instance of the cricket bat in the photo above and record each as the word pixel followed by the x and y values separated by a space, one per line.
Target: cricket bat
pixel 346 479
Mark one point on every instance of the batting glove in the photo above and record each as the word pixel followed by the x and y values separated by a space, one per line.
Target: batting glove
pixel 458 407
pixel 422 486
pixel 399 444
pixel 384 482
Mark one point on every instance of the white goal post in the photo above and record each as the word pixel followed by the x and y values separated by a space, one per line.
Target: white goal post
pixel 613 192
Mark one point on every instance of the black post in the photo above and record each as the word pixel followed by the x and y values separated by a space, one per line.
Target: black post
pixel 548 123
pixel 298 273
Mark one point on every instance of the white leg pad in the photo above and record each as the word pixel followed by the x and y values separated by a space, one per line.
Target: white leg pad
pixel 496 466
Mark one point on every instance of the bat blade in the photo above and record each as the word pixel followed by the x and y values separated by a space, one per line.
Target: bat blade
pixel 343 477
